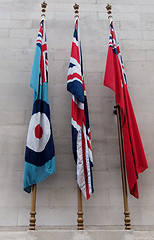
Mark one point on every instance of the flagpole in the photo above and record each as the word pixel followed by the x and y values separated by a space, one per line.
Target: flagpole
pixel 33 205
pixel 123 171
pixel 80 225
pixel 80 212
pixel 33 209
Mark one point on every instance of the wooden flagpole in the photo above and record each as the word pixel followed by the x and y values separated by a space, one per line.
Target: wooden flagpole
pixel 80 212
pixel 123 171
pixel 33 209
pixel 33 206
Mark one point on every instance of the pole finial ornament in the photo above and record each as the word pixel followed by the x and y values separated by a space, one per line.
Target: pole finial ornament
pixel 109 8
pixel 43 5
pixel 76 10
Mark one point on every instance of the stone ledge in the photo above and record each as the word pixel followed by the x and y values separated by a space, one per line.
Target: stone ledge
pixel 71 234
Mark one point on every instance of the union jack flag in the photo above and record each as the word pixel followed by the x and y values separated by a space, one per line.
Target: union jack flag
pixel 81 137
pixel 115 78
pixel 42 43
pixel 114 44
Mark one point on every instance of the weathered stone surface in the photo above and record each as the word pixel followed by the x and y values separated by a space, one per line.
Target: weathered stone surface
pixel 57 195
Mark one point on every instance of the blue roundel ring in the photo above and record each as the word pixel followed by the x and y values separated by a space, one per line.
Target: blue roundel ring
pixel 40 146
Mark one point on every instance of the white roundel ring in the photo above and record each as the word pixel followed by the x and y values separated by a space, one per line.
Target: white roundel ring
pixel 39 132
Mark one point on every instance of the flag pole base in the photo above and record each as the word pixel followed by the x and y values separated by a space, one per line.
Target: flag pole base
pixel 33 209
pixel 80 221
pixel 80 225
pixel 32 220
pixel 127 220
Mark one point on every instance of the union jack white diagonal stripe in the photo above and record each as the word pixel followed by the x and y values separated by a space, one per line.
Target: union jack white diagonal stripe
pixel 81 137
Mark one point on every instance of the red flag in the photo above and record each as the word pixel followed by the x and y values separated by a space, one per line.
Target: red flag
pixel 115 78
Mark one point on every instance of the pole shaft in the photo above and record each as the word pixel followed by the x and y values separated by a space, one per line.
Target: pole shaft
pixel 80 212
pixel 33 208
pixel 123 173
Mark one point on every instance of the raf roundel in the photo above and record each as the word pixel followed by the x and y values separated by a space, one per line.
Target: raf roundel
pixel 39 132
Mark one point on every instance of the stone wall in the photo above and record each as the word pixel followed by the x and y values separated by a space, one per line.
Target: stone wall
pixel 57 195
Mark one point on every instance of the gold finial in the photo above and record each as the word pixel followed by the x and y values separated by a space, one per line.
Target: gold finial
pixel 109 7
pixel 76 10
pixel 43 5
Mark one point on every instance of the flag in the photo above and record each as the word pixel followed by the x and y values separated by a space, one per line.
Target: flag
pixel 40 153
pixel 115 78
pixel 81 137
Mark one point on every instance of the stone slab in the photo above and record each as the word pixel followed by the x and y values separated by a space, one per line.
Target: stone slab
pixel 59 234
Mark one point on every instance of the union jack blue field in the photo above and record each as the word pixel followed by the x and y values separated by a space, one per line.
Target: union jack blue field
pixel 40 153
pixel 81 137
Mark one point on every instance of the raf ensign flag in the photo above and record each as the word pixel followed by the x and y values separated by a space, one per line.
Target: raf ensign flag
pixel 115 78
pixel 40 154
pixel 81 138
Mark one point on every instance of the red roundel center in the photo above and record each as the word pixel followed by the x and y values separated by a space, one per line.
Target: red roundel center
pixel 38 131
